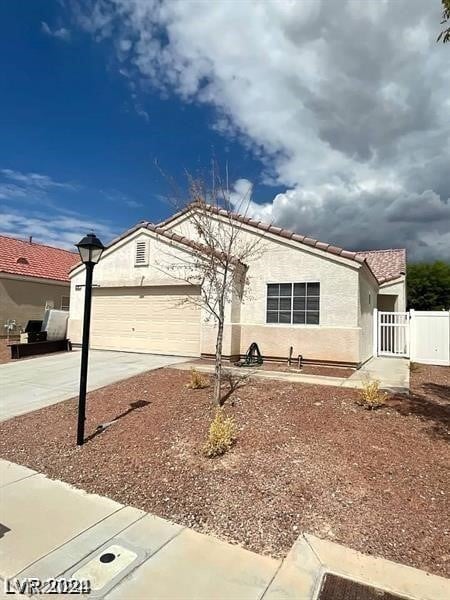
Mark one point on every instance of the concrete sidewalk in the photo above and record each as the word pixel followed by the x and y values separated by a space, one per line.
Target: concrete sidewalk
pixel 49 529
pixel 392 373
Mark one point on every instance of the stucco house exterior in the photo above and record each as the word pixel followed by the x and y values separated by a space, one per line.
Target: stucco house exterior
pixel 313 296
pixel 33 277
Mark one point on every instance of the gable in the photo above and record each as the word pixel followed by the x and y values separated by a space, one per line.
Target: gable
pixel 183 224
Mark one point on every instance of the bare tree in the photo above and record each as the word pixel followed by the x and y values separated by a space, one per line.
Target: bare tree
pixel 218 258
pixel 445 33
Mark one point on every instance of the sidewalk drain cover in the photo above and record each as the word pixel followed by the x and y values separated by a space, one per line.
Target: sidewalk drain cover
pixel 107 557
pixel 105 566
pixel 339 588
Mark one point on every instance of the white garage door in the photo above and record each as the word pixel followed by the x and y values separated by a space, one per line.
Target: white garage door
pixel 147 319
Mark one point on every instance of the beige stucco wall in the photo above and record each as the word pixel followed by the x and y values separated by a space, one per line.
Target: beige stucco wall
pixel 24 299
pixel 345 330
pixel 397 288
pixel 337 338
pixel 368 289
pixel 168 266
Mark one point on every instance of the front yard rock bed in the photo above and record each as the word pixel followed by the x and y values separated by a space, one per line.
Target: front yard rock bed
pixel 307 459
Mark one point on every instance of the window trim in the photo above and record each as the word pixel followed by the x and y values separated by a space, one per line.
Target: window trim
pixel 313 325
pixel 61 303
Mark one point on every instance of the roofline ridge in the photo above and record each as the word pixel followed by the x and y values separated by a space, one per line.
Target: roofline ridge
pixel 382 250
pixel 331 248
pixel 24 241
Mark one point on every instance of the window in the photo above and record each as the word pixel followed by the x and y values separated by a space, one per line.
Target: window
pixel 141 256
pixel 22 261
pixel 293 303
pixel 65 302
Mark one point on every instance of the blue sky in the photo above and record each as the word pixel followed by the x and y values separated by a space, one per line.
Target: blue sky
pixel 67 114
pixel 336 118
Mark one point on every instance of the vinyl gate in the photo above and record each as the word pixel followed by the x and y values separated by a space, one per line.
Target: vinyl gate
pixel 422 336
pixel 393 334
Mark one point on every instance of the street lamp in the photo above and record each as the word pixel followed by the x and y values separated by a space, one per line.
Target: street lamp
pixel 90 249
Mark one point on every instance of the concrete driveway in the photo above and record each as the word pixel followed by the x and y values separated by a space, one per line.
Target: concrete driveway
pixel 27 385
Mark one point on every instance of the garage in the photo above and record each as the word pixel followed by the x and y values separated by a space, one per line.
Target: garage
pixel 154 319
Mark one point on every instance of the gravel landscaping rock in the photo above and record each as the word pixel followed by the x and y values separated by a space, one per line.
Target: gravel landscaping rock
pixel 307 459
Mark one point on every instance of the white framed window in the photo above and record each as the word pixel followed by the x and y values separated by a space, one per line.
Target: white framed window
pixel 65 302
pixel 141 253
pixel 293 303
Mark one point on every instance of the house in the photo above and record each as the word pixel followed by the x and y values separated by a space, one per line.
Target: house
pixel 300 292
pixel 33 277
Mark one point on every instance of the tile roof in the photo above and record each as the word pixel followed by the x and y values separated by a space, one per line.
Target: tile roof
pixel 386 264
pixel 186 241
pixel 285 233
pixel 20 257
pixel 170 235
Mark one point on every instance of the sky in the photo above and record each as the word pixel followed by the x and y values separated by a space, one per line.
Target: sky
pixel 334 117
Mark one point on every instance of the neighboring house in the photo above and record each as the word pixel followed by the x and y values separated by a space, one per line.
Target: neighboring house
pixel 33 277
pixel 303 293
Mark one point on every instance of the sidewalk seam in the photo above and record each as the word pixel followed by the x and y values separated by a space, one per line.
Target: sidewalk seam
pixel 272 579
pixel 2 487
pixel 70 540
pixel 137 566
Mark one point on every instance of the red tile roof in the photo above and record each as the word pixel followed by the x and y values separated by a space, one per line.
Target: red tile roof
pixel 20 257
pixel 389 265
pixel 386 264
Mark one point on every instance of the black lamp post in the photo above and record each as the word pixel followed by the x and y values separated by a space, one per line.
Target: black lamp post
pixel 90 249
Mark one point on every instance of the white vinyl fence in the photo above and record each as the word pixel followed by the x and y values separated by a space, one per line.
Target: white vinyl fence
pixel 430 337
pixel 422 336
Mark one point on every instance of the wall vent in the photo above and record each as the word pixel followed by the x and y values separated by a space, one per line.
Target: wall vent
pixel 141 255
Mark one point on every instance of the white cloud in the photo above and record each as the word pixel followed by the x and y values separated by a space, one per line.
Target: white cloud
pixel 344 102
pixel 31 206
pixel 61 230
pixel 61 33
pixel 35 180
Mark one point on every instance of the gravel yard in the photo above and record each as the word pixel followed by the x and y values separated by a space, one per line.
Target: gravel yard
pixel 307 459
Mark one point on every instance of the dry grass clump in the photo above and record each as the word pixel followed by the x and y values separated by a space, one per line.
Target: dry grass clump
pixel 221 435
pixel 197 381
pixel 370 396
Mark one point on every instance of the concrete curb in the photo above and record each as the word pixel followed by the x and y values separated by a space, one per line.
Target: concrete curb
pixel 280 376
pixel 355 381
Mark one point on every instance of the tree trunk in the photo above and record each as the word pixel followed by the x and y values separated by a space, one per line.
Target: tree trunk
pixel 218 366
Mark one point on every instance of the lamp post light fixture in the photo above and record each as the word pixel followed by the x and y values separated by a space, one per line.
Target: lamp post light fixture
pixel 90 249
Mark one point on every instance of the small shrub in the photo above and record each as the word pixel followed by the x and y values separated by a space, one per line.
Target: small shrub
pixel 221 435
pixel 371 397
pixel 197 381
